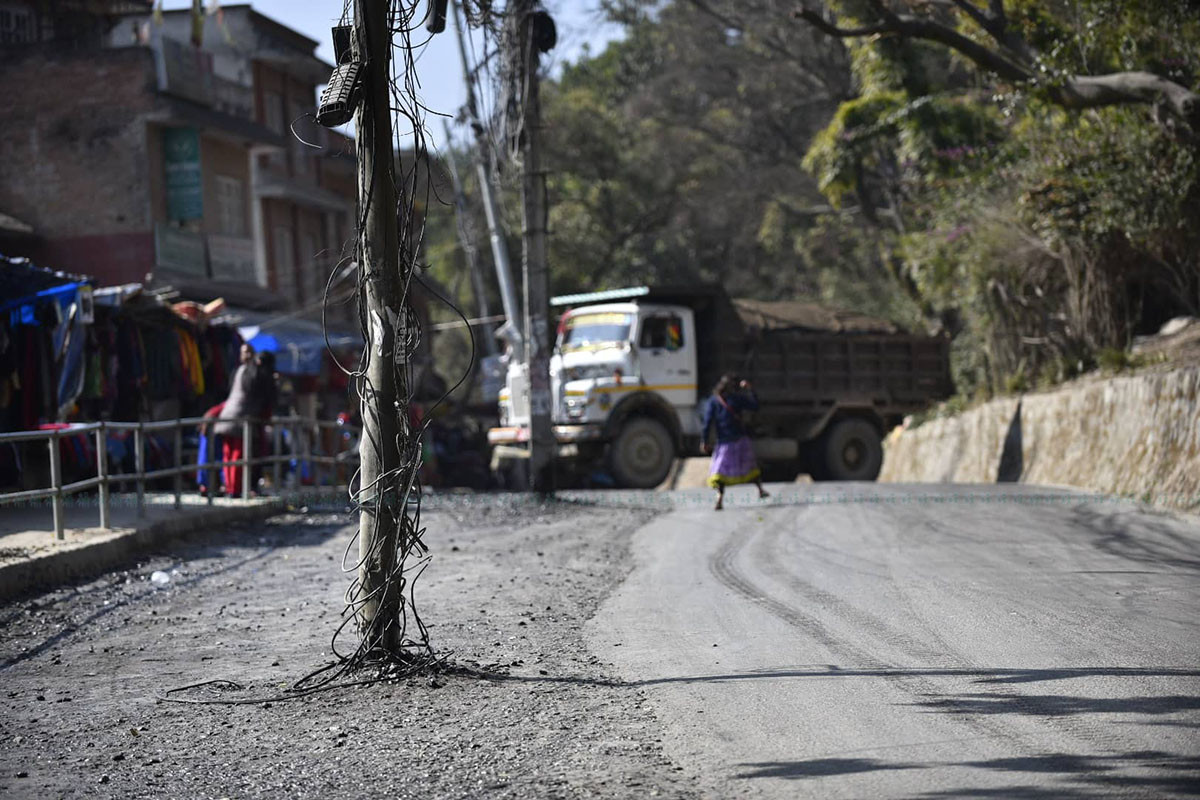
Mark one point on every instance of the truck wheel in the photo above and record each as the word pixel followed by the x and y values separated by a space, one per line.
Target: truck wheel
pixel 851 450
pixel 642 453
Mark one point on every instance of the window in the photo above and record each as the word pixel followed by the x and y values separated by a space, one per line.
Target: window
pixel 285 261
pixel 231 206
pixel 310 266
pixel 662 332
pixel 16 25
pixel 273 119
pixel 273 111
pixel 594 329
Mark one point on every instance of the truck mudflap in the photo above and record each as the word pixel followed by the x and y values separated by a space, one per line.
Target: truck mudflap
pixel 565 434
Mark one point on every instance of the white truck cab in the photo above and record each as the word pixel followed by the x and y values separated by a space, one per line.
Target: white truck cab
pixel 606 352
pixel 613 356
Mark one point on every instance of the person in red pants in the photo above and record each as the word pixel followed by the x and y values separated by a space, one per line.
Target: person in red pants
pixel 241 403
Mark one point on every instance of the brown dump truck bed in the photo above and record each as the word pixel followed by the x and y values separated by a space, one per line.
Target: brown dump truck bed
pixel 894 374
pixel 803 357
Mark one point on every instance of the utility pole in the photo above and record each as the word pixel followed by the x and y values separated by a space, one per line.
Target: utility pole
pixel 534 34
pixel 511 329
pixel 383 396
pixel 467 238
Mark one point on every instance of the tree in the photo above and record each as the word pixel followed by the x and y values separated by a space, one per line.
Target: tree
pixel 672 147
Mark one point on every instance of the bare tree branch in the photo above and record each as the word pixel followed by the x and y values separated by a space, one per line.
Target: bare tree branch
pixel 923 28
pixel 1122 88
pixel 821 24
pixel 995 24
pixel 976 13
pixel 1077 92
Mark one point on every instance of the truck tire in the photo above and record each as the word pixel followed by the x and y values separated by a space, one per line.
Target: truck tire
pixel 851 450
pixel 642 453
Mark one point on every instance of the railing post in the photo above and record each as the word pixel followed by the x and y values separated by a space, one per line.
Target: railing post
pixel 277 471
pixel 215 476
pixel 178 464
pixel 56 485
pixel 139 466
pixel 246 456
pixel 315 451
pixel 297 454
pixel 102 474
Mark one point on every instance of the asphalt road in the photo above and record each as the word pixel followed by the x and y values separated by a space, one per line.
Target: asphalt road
pixel 883 641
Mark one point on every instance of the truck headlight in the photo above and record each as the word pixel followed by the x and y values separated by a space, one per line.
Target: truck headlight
pixel 576 405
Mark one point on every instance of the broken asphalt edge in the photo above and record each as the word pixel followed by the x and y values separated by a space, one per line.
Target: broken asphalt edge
pixel 121 546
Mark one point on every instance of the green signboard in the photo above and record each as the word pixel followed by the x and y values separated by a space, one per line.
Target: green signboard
pixel 181 160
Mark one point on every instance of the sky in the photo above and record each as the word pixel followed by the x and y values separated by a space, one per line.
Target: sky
pixel 439 72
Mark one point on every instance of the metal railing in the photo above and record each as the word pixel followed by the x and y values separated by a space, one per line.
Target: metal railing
pixel 103 480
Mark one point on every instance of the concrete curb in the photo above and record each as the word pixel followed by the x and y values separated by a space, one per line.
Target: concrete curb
pixel 118 547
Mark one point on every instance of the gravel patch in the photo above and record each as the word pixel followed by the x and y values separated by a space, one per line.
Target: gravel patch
pixel 512 582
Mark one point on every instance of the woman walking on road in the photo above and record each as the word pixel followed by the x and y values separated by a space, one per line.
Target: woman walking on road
pixel 733 461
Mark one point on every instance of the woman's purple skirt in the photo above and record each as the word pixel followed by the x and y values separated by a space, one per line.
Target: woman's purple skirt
pixel 733 462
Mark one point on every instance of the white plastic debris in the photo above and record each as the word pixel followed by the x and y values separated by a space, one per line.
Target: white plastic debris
pixel 160 578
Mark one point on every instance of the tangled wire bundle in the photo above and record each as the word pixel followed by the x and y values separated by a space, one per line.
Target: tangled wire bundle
pixel 392 499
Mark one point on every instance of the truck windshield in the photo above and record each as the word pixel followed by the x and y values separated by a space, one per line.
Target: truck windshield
pixel 582 330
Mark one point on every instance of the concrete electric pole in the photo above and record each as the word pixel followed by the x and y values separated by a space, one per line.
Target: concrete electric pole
pixel 534 35
pixel 384 450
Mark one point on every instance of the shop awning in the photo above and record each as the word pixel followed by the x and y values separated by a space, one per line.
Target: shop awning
pixel 299 345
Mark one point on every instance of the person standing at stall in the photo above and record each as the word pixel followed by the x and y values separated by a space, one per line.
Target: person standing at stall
pixel 251 395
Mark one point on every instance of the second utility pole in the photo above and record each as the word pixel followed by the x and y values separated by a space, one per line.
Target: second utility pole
pixel 534 34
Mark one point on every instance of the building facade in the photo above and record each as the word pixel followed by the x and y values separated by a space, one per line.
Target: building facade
pixel 135 153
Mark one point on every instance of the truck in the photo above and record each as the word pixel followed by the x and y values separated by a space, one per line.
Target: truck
pixel 632 368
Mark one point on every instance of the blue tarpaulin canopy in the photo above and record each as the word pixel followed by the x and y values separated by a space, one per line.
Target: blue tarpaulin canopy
pixel 298 344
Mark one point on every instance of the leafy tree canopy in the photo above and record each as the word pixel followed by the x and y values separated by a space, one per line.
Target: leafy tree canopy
pixel 1021 174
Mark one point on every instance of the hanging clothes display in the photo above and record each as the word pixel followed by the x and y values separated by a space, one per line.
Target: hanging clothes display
pixel 67 353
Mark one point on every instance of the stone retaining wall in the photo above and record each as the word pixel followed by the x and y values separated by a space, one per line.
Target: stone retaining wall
pixel 1136 436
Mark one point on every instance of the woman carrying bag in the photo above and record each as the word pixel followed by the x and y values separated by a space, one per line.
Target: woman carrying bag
pixel 733 461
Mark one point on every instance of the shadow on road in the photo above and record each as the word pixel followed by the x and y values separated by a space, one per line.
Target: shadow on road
pixel 1003 676
pixel 1152 540
pixel 1177 773
pixel 820 768
pixel 1060 705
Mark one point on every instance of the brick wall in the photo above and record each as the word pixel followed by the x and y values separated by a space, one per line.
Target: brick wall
pixel 73 144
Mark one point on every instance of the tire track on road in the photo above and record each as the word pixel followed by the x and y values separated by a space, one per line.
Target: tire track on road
pixel 1092 732
pixel 723 566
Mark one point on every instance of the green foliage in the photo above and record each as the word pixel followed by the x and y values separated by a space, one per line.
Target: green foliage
pixel 1045 237
pixel 886 175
